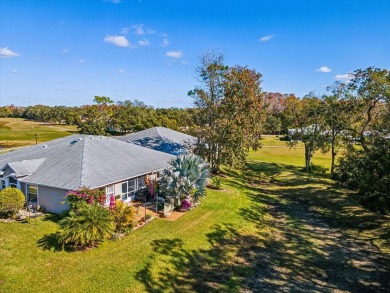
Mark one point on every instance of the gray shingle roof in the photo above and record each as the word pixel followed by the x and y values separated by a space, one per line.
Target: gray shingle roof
pixel 161 139
pixel 84 160
pixel 26 167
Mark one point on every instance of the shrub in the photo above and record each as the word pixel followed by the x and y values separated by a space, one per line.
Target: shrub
pixel 186 204
pixel 124 216
pixel 369 173
pixel 11 201
pixel 87 226
pixel 318 169
pixel 216 181
pixel 85 195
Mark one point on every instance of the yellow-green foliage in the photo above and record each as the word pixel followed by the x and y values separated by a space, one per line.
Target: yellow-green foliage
pixel 90 225
pixel 11 201
pixel 124 216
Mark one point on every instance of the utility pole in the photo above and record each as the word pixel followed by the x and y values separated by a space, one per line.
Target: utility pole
pixel 36 138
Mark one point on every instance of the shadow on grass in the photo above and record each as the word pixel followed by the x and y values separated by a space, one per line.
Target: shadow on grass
pixel 221 268
pixel 52 218
pixel 308 237
pixel 50 241
pixel 317 241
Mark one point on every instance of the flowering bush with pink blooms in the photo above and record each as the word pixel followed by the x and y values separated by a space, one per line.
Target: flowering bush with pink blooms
pixel 186 204
pixel 85 194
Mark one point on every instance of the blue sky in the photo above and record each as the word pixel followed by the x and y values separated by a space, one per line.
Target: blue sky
pixel 66 52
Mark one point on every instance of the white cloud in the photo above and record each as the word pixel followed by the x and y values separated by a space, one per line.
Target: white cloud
pixel 113 1
pixel 14 71
pixel 324 69
pixel 143 43
pixel 65 50
pixel 7 53
pixel 266 38
pixel 81 61
pixel 174 54
pixel 122 71
pixel 125 31
pixel 119 41
pixel 344 77
pixel 150 31
pixel 165 42
pixel 139 29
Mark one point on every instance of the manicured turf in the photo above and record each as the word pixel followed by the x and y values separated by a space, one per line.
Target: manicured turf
pixel 276 151
pixel 275 228
pixel 16 132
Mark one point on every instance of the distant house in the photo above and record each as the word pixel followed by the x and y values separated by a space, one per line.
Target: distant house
pixel 45 172
pixel 161 139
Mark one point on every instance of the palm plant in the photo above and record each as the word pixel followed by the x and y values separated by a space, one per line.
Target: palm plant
pixel 188 174
pixel 87 226
pixel 124 216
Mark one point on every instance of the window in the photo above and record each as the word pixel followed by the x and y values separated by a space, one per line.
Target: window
pixel 109 192
pixel 124 190
pixel 132 185
pixel 32 192
pixel 13 182
pixel 141 182
pixel 2 185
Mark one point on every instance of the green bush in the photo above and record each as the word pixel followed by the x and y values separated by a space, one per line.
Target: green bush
pixel 317 169
pixel 216 182
pixel 124 216
pixel 369 173
pixel 11 201
pixel 87 226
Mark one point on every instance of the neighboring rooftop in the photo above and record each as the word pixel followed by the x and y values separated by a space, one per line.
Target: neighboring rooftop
pixel 82 160
pixel 161 139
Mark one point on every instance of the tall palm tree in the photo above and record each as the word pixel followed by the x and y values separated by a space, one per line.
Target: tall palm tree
pixel 187 176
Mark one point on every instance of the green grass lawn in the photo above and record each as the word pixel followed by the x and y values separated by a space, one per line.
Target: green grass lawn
pixel 274 228
pixel 276 151
pixel 16 132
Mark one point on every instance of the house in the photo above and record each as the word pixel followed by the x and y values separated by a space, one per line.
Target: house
pixel 161 139
pixel 45 172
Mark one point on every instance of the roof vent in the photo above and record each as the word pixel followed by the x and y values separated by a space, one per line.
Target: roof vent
pixel 80 138
pixel 44 146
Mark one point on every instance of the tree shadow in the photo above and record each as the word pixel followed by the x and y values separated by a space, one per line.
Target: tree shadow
pixel 50 242
pixel 221 268
pixel 307 238
pixel 52 217
pixel 316 241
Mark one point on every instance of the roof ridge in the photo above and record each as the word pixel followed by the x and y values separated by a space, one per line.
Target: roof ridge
pixel 82 163
pixel 159 133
